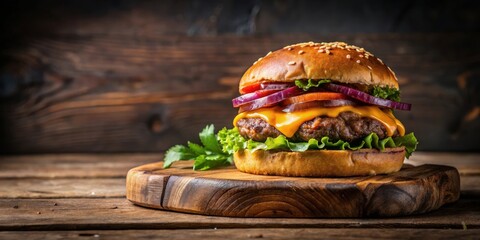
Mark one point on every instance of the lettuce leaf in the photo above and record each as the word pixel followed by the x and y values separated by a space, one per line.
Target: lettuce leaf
pixel 377 91
pixel 386 93
pixel 307 84
pixel 232 141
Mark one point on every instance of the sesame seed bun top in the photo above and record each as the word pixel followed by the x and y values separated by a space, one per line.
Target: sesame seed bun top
pixel 336 61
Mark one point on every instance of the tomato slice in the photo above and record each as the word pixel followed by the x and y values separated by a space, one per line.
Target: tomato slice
pixel 265 86
pixel 251 88
pixel 315 96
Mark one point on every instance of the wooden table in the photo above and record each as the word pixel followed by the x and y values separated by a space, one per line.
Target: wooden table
pixel 83 196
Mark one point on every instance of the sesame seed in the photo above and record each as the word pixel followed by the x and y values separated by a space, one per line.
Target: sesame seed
pixel 369 67
pixel 326 47
pixel 358 61
pixel 259 59
pixel 291 63
pixel 269 53
pixel 348 56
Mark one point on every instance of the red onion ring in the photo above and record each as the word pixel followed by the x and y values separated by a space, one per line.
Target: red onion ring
pixel 246 98
pixel 323 103
pixel 270 99
pixel 367 98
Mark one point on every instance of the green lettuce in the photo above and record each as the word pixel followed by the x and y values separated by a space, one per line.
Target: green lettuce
pixel 218 149
pixel 386 93
pixel 377 91
pixel 232 141
pixel 307 84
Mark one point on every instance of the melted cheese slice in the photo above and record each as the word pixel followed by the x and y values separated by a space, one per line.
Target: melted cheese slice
pixel 288 123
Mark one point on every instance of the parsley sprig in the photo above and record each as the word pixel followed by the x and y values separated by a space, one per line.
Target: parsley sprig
pixel 208 156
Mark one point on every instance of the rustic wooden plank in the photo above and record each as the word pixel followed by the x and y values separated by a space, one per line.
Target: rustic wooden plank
pixel 95 165
pixel 62 188
pixel 466 163
pixel 250 233
pixel 29 171
pixel 72 165
pixel 118 213
pixel 115 187
pixel 214 18
pixel 229 192
pixel 148 91
pixel 470 185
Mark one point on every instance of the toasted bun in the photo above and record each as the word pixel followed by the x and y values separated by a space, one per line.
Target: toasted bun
pixel 336 61
pixel 320 163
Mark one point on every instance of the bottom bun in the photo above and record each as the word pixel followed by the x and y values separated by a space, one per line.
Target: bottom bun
pixel 320 163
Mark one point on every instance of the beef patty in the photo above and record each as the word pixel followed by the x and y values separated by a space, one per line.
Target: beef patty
pixel 347 126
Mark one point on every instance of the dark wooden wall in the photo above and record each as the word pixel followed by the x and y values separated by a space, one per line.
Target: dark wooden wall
pixel 131 76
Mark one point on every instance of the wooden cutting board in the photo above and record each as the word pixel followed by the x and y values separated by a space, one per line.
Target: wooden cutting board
pixel 228 192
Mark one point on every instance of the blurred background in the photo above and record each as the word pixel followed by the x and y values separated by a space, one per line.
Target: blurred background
pixel 140 76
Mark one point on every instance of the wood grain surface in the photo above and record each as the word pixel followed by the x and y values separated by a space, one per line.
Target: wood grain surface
pixel 78 175
pixel 228 192
pixel 72 165
pixel 119 213
pixel 143 99
pixel 112 79
pixel 62 188
pixel 68 209
pixel 249 233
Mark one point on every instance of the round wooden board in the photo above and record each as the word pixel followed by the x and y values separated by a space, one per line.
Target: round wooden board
pixel 228 192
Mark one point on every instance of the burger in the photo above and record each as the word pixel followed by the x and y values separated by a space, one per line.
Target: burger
pixel 311 110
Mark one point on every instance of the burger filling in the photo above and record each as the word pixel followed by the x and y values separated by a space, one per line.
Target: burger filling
pixel 318 114
pixel 348 126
